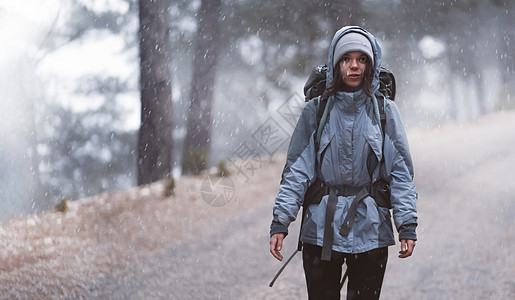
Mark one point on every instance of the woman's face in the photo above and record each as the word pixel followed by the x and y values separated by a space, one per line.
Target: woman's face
pixel 352 66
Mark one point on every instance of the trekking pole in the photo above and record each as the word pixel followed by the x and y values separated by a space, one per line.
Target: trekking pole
pixel 282 268
pixel 299 248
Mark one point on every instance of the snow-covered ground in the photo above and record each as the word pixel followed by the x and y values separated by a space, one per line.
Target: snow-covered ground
pixel 139 244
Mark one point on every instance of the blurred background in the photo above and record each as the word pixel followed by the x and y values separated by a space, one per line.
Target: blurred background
pixel 101 95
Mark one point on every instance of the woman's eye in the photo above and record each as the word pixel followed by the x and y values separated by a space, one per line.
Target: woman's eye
pixel 363 59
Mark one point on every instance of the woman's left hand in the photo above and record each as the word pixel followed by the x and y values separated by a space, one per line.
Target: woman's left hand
pixel 407 247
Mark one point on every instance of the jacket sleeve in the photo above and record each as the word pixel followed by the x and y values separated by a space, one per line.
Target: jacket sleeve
pixel 298 172
pixel 399 168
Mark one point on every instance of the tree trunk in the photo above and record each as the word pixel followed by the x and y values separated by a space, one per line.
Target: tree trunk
pixel 452 84
pixel 196 145
pixel 19 173
pixel 155 134
pixel 479 83
pixel 506 58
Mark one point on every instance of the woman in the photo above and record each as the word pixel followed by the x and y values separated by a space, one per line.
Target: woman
pixel 357 231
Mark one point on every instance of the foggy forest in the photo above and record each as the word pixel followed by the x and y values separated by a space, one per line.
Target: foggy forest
pixel 100 96
pixel 73 133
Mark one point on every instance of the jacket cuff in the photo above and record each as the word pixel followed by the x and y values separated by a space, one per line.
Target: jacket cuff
pixel 277 227
pixel 407 232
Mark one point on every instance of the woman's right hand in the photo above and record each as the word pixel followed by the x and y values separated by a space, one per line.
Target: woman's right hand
pixel 276 244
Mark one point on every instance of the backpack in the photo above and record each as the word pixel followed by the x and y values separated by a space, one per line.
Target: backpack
pixel 314 89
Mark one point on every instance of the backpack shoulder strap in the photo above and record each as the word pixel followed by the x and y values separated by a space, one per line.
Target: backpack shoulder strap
pixel 381 102
pixel 322 115
pixel 379 109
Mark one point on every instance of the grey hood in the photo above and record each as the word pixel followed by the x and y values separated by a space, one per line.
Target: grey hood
pixel 376 48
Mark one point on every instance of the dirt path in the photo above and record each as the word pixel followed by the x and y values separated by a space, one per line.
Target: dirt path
pixel 466 206
pixel 465 250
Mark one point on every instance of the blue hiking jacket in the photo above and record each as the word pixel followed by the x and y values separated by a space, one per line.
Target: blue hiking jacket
pixel 350 134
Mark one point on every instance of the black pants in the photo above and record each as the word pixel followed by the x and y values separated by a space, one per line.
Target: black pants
pixel 365 271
